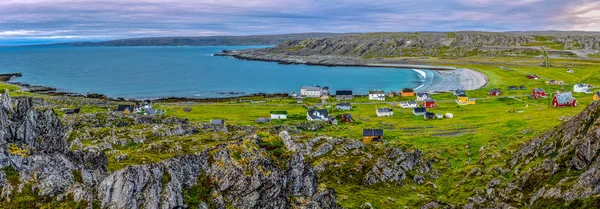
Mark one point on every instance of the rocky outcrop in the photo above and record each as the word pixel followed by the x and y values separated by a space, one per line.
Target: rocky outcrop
pixel 562 167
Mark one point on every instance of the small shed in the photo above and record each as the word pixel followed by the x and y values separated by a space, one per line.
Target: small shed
pixel 407 92
pixel 429 103
pixel 513 88
pixel 459 92
pixel 419 111
pixel 384 112
pixel 217 122
pixel 429 116
pixel 125 109
pixel 522 88
pixel 372 135
pixel 279 115
pixel 346 118
pixel 263 120
pixel 533 76
pixel 343 106
pixel 495 92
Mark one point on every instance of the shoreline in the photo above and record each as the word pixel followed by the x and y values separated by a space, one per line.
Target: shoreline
pixel 449 78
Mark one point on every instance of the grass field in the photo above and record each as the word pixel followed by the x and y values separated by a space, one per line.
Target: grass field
pixel 479 136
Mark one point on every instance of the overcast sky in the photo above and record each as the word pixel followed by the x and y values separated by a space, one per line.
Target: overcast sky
pixel 45 21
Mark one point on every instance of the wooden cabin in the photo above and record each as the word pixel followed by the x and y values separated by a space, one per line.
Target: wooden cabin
pixel 596 96
pixel 126 109
pixel 464 100
pixel 495 92
pixel 346 118
pixel 429 103
pixel 407 92
pixel 372 135
pixel 538 93
pixel 565 99
pixel 533 77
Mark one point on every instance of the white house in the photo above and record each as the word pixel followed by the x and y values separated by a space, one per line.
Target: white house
pixel 276 115
pixel 377 95
pixel 311 91
pixel 385 112
pixel 409 104
pixel 321 115
pixel 423 96
pixel 582 88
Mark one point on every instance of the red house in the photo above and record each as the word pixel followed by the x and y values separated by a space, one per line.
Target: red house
pixel 346 118
pixel 564 100
pixel 429 103
pixel 538 93
pixel 533 76
pixel 495 92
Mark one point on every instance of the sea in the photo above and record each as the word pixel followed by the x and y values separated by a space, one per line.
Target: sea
pixel 191 72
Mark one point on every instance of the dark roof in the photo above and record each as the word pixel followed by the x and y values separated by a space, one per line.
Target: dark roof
pixel 384 110
pixel 429 115
pixel 407 90
pixel 347 116
pixel 325 87
pixel 377 92
pixel 422 94
pixel 122 108
pixel 538 90
pixel 420 109
pixel 372 132
pixel 263 120
pixel 429 100
pixel 147 102
pixel 461 95
pixel 598 93
pixel 497 90
pixel 344 92
pixel 322 112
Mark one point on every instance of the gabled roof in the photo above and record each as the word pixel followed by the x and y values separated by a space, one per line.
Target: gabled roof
pixel 311 88
pixel 429 114
pixel 422 94
pixel 372 132
pixel 428 100
pixel 497 90
pixel 582 85
pixel 409 102
pixel 343 92
pixel 420 109
pixel 538 90
pixel 122 108
pixel 377 92
pixel 384 110
pixel 565 97
pixel 598 93
pixel 314 113
pixel 147 102
pixel 279 112
pixel 347 116
pixel 408 90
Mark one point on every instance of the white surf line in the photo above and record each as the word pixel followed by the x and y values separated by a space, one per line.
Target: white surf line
pixel 423 76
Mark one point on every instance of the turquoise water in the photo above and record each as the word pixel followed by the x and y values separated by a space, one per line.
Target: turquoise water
pixel 155 72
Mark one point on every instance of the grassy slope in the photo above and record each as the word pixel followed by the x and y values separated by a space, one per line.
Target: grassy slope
pixel 493 123
pixel 454 144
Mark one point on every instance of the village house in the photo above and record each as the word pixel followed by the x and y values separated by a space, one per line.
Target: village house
pixel 277 115
pixel 346 118
pixel 125 109
pixel 555 82
pixel 372 135
pixel 533 76
pixel 429 103
pixel 429 116
pixel 407 92
pixel 325 90
pixel 522 88
pixel 423 96
pixel 419 111
pixel 596 96
pixel 311 91
pixel 409 104
pixel 513 88
pixel 377 95
pixel 464 100
pixel 565 99
pixel 344 95
pixel 321 115
pixel 459 92
pixel 343 106
pixel 384 112
pixel 538 93
pixel 570 71
pixel 263 120
pixel 582 88
pixel 217 122
pixel 495 92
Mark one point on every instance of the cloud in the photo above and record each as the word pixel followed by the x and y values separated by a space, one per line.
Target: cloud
pixel 112 19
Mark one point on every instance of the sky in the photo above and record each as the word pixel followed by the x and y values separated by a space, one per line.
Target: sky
pixel 50 21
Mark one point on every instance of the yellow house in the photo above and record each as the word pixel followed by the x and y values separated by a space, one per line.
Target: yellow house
pixel 464 100
pixel 407 92
pixel 372 135
pixel 596 96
